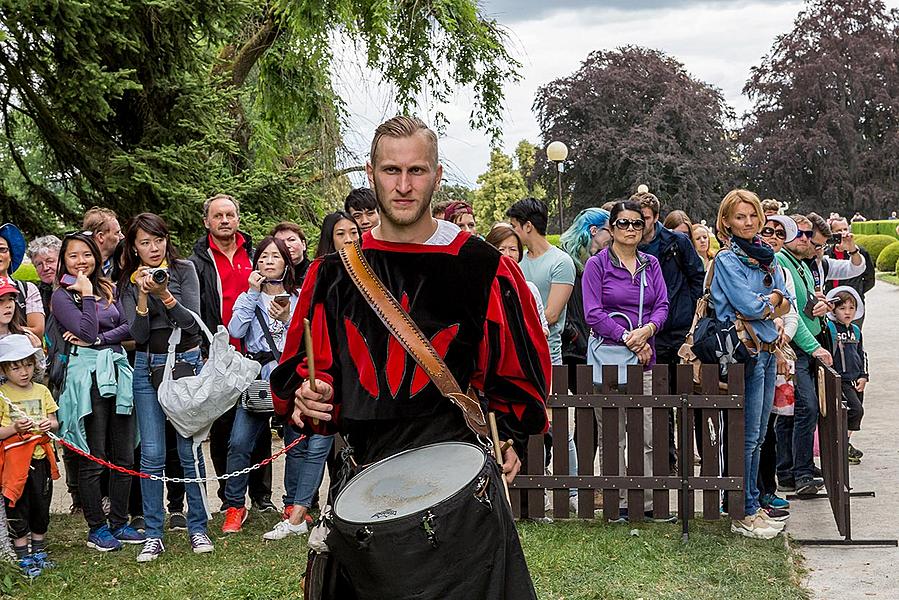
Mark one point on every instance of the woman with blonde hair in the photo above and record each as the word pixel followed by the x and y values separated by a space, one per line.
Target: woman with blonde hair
pixel 702 242
pixel 747 286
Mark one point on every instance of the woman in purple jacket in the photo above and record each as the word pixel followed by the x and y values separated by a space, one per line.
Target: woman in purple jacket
pixel 625 305
pixel 93 322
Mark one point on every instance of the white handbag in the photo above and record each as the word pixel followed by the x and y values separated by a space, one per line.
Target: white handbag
pixel 193 403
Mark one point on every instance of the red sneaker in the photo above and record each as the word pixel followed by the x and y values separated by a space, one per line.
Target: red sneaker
pixel 234 518
pixel 285 514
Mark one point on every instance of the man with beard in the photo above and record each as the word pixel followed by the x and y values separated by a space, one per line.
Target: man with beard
pixel 795 463
pixel 475 305
pixel 222 260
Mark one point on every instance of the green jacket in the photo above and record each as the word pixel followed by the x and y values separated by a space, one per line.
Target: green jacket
pixel 114 378
pixel 805 287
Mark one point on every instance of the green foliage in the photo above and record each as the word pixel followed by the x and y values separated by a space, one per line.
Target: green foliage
pixel 635 115
pixel 886 260
pixel 143 105
pixel 26 272
pixel 553 239
pixel 452 192
pixel 861 239
pixel 500 186
pixel 875 244
pixel 879 227
pixel 526 155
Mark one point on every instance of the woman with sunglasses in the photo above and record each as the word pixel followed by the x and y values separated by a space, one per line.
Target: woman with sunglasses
pixel 96 404
pixel 778 230
pixel 158 291
pixel 746 285
pixel 625 305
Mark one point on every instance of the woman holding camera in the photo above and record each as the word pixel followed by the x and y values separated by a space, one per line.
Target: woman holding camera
pixel 260 318
pixel 158 291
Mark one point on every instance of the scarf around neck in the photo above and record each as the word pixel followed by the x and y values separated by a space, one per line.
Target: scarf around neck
pixel 753 252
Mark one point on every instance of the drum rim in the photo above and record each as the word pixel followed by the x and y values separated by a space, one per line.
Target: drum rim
pixel 393 457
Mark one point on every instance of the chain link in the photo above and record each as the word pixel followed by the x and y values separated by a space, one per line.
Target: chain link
pixel 16 413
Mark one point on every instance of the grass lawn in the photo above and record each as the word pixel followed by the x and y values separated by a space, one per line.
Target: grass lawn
pixel 888 277
pixel 567 560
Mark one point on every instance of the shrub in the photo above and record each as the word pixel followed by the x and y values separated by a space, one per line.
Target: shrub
pixel 875 244
pixel 26 272
pixel 860 240
pixel 876 228
pixel 553 239
pixel 888 257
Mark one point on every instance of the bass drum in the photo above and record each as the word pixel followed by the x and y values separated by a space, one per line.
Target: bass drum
pixel 429 523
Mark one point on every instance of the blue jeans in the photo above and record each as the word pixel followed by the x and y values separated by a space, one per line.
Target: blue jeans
pixel 805 419
pixel 151 424
pixel 244 433
pixel 759 398
pixel 305 465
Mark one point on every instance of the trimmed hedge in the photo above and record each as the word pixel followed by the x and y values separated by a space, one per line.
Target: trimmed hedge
pixel 876 228
pixel 875 244
pixel 888 257
pixel 860 240
pixel 26 272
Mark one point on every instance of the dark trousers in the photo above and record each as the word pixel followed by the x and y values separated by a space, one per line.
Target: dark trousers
pixel 667 355
pixel 796 434
pixel 72 461
pixel 111 437
pixel 854 400
pixel 174 490
pixel 260 484
pixel 768 460
pixel 31 514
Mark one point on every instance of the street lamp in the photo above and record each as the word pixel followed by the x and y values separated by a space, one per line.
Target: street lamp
pixel 557 152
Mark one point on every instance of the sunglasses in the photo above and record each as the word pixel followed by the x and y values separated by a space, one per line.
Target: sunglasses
pixel 624 224
pixel 809 234
pixel 771 232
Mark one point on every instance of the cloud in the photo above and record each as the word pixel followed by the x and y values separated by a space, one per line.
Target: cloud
pixel 718 42
pixel 511 11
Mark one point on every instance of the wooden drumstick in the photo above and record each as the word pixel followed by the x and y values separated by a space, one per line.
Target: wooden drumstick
pixel 494 434
pixel 310 358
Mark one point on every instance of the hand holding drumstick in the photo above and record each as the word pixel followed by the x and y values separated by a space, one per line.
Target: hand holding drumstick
pixel 313 398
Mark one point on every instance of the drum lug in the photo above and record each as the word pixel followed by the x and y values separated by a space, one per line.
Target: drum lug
pixel 427 523
pixel 363 537
pixel 481 491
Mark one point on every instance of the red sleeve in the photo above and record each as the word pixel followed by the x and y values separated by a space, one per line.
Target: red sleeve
pixel 294 366
pixel 513 364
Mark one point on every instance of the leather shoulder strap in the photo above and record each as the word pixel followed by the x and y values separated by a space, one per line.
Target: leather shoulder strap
pixel 404 329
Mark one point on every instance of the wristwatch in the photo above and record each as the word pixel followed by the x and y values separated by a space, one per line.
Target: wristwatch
pixel 854 252
pixel 625 335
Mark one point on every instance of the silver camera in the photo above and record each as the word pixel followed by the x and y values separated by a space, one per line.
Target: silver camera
pixel 158 275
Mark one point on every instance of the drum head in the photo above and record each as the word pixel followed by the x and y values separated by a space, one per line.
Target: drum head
pixel 408 482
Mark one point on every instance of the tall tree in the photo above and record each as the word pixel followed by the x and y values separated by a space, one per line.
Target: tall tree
pixel 824 127
pixel 501 185
pixel 156 104
pixel 526 155
pixel 632 116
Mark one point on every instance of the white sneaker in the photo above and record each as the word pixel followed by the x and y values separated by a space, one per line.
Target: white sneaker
pixel 284 529
pixel 753 527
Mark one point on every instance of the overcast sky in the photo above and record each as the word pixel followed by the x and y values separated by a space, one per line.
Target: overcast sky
pixel 718 41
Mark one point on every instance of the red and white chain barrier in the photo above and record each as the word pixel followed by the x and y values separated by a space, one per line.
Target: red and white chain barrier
pixel 15 413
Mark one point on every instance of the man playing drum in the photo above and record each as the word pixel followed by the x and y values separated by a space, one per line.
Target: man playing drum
pixel 474 306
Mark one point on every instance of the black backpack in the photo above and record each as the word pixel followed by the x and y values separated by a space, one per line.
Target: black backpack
pixel 575 333
pixel 58 350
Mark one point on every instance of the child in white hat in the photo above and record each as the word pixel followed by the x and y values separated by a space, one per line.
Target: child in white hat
pixel 849 358
pixel 27 413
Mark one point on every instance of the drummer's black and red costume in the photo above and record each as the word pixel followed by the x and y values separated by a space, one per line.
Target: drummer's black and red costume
pixel 474 306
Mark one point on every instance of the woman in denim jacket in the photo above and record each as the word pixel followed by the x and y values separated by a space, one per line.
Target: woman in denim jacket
pixel 158 291
pixel 747 284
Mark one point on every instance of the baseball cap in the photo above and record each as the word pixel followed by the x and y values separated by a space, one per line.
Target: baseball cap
pixel 7 286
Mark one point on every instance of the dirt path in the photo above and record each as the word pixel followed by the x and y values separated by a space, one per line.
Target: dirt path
pixel 850 572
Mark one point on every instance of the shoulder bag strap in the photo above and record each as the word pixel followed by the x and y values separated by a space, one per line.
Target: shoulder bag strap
pixel 642 289
pixel 267 333
pixel 407 333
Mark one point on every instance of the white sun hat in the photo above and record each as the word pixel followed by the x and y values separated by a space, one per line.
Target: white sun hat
pixel 859 305
pixel 789 225
pixel 16 347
